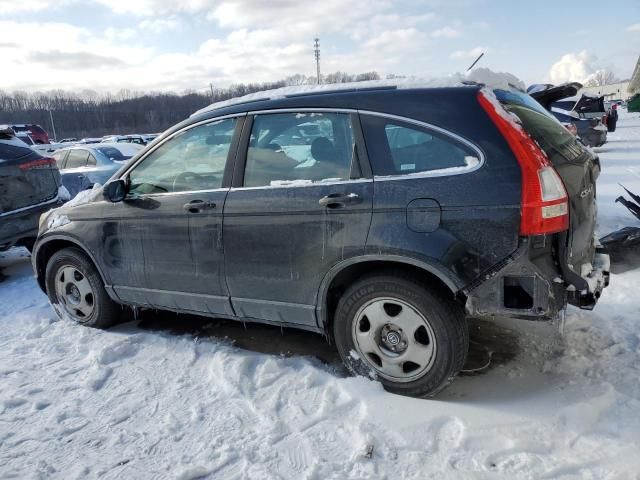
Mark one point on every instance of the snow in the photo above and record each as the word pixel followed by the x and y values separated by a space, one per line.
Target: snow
pixel 85 196
pixel 134 402
pixel 478 75
pixel 57 221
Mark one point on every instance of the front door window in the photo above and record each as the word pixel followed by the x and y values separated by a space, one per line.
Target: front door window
pixel 193 160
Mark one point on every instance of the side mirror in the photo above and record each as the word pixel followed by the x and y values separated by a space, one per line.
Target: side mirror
pixel 115 190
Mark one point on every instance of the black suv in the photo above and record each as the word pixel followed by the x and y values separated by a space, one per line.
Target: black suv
pixel 381 218
pixel 29 186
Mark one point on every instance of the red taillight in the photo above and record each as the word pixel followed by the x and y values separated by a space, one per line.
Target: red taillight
pixel 45 162
pixel 545 206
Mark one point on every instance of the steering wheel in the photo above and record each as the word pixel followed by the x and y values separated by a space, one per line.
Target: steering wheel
pixel 185 177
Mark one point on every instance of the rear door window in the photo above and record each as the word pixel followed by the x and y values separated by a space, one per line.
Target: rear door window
pixel 91 160
pixel 300 148
pixel 396 147
pixel 77 158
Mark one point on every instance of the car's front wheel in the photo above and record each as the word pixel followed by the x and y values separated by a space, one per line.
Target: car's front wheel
pixel 411 337
pixel 76 290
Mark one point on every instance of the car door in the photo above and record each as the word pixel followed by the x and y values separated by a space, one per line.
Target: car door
pixel 171 221
pixel 73 174
pixel 299 205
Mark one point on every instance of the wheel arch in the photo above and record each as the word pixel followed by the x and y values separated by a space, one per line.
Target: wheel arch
pixel 45 250
pixel 342 275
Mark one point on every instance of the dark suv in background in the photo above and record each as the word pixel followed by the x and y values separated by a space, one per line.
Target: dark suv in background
pixel 29 186
pixel 381 218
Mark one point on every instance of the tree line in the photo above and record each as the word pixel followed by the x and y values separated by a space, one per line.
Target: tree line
pixel 89 114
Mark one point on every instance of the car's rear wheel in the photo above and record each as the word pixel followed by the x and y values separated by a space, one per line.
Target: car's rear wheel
pixel 77 292
pixel 410 337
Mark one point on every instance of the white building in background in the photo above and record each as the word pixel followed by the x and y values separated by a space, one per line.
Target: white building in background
pixel 634 83
pixel 621 90
pixel 614 91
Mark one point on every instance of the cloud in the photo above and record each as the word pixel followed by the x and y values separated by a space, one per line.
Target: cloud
pixel 60 55
pixel 157 8
pixel 574 67
pixel 249 41
pixel 73 60
pixel 634 28
pixel 119 33
pixel 160 25
pixel 446 32
pixel 469 54
pixel 9 7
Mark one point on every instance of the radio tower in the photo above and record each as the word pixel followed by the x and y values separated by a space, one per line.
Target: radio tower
pixel 316 51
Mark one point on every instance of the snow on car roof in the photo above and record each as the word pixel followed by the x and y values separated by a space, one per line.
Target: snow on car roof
pixel 477 76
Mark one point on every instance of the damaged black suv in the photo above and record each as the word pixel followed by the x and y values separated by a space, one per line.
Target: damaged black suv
pixel 382 218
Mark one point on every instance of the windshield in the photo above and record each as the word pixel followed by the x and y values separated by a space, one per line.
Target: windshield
pixel 543 127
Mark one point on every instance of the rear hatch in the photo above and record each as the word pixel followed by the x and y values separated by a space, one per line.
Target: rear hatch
pixel 547 94
pixel 578 168
pixel 26 177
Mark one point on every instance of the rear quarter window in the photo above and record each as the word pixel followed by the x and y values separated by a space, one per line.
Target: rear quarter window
pixel 396 147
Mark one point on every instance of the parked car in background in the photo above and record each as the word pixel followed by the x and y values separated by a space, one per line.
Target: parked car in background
pixel 68 140
pixel 586 112
pixel 26 138
pixel 36 132
pixel 48 148
pixel 84 141
pixel 29 186
pixel 125 139
pixel 82 166
pixel 409 210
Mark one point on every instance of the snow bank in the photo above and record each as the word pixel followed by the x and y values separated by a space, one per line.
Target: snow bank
pixel 478 75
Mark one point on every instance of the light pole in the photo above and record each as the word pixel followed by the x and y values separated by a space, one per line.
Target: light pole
pixel 53 127
pixel 316 51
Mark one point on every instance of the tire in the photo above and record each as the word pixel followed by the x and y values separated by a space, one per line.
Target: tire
pixel 76 290
pixel 428 331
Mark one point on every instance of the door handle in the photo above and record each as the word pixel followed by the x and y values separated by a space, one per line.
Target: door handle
pixel 196 206
pixel 338 200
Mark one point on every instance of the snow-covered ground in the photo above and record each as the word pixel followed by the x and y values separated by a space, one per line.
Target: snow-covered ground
pixel 138 403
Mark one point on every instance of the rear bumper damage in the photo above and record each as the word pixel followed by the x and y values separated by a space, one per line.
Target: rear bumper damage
pixel 596 281
pixel 530 285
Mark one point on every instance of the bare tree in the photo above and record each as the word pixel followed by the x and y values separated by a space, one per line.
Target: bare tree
pixel 600 78
pixel 90 114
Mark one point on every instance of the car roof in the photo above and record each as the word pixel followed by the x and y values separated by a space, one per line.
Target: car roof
pixel 333 99
pixel 478 77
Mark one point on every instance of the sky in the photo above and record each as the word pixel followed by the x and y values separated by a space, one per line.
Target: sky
pixel 178 45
